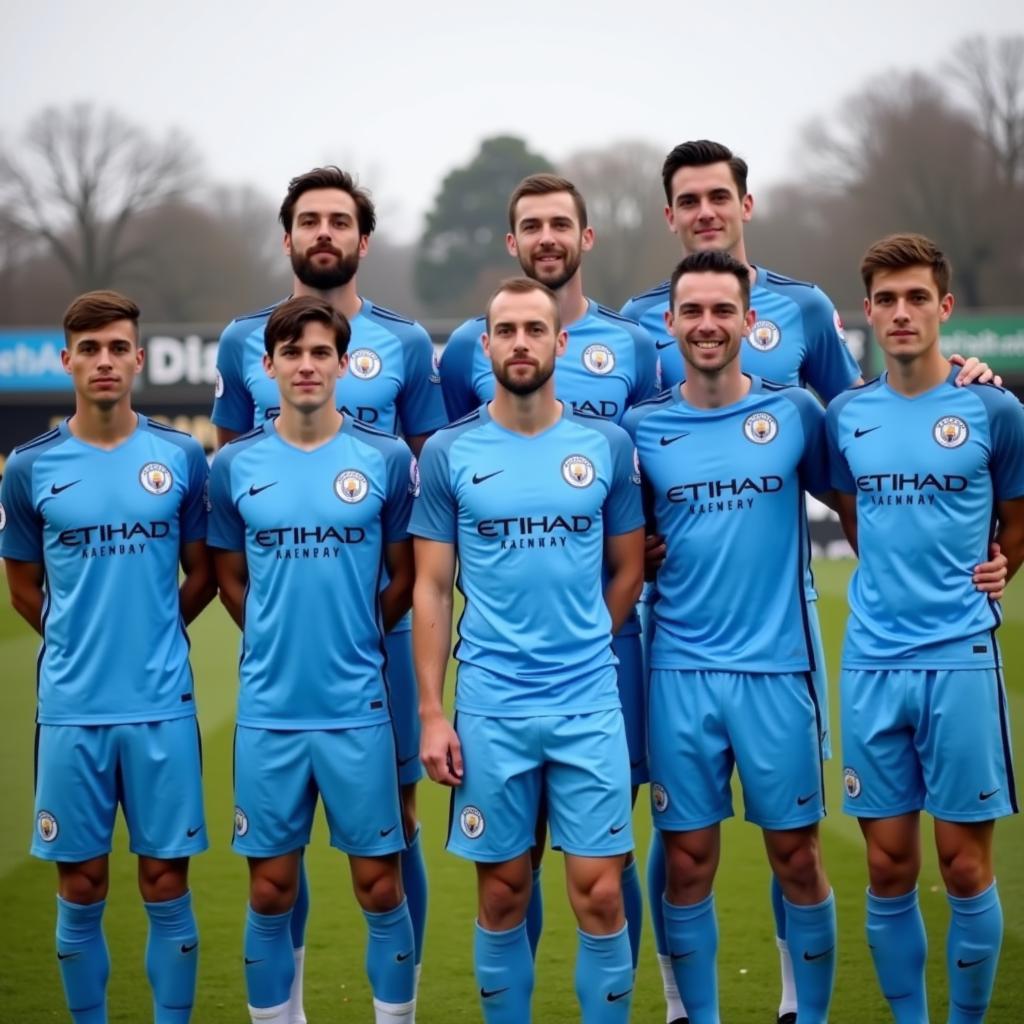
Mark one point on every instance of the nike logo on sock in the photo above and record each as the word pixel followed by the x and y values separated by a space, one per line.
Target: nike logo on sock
pixel 963 964
pixel 66 956
pixel 614 997
pixel 188 949
pixel 682 956
pixel 817 956
pixel 491 993
pixel 402 957
pixel 249 963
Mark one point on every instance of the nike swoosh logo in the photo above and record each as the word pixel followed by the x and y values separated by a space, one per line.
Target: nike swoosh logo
pixel 254 490
pixel 193 831
pixel 616 830
pixel 385 832
pixel 485 994
pixel 664 344
pixel 54 489
pixel 987 796
pixel 614 997
pixel 817 956
pixel 478 479
pixel 188 949
pixel 668 440
pixel 249 963
pixel 861 431
pixel 970 963
pixel 682 956
pixel 402 957
pixel 801 800
pixel 67 956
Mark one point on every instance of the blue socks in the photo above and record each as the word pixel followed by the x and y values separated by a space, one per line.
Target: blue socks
pixel 414 883
pixel 269 963
pixel 633 904
pixel 812 946
pixel 778 908
pixel 535 913
pixel 83 960
pixel 504 973
pixel 898 945
pixel 972 953
pixel 692 934
pixel 391 955
pixel 172 959
pixel 604 977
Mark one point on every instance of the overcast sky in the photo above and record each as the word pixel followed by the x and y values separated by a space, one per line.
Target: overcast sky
pixel 402 92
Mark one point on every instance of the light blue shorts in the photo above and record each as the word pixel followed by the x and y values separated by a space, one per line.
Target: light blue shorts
pixel 152 769
pixel 280 773
pixel 937 740
pixel 577 764
pixel 703 723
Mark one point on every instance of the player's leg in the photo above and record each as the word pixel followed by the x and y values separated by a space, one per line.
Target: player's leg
pixel 535 910
pixel 493 822
pixel 162 794
pixel 357 774
pixel 275 797
pixel 884 789
pixel 586 777
pixel 75 807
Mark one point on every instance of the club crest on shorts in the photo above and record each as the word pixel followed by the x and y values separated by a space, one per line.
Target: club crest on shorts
pixel 760 427
pixel 636 467
pixel 156 478
pixel 471 821
pixel 435 368
pixel 851 783
pixel 659 797
pixel 241 822
pixel 950 432
pixel 764 335
pixel 578 470
pixel 351 486
pixel 47 826
pixel 414 478
pixel 599 359
pixel 364 363
pixel 218 385
pixel 3 517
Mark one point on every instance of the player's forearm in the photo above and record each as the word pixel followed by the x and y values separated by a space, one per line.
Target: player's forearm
pixel 28 603
pixel 431 642
pixel 621 593
pixel 198 588
pixel 1010 538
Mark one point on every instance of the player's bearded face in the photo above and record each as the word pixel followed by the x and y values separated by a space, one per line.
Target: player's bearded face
pixel 523 373
pixel 552 262
pixel 315 269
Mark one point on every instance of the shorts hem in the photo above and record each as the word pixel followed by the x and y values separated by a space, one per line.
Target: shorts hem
pixel 970 817
pixel 787 825
pixel 411 773
pixel 487 858
pixel 665 825
pixel 617 851
pixel 44 853
pixel 398 846
pixel 874 812
pixel 179 851
pixel 270 851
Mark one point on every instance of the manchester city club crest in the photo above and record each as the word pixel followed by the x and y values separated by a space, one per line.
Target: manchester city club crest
pixel 764 335
pixel 414 478
pixel 471 821
pixel 3 518
pixel 351 486
pixel 599 359
pixel 47 826
pixel 659 797
pixel 156 478
pixel 760 427
pixel 241 822
pixel 578 470
pixel 364 363
pixel 950 432
pixel 851 783
pixel 218 385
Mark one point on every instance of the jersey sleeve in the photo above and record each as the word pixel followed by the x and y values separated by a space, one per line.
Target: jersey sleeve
pixel 226 526
pixel 1007 460
pixel 21 526
pixel 814 463
pixel 420 402
pixel 403 483
pixel 435 513
pixel 194 508
pixel 838 469
pixel 233 407
pixel 646 384
pixel 828 368
pixel 623 508
pixel 456 369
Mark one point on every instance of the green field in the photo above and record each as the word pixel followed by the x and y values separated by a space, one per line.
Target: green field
pixel 336 988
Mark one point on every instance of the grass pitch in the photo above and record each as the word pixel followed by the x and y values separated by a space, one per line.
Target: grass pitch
pixel 336 988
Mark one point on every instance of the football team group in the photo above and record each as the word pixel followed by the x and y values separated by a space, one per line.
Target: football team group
pixel 555 456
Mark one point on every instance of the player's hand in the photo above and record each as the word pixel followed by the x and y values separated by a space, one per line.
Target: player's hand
pixel 990 577
pixel 974 371
pixel 441 751
pixel 654 555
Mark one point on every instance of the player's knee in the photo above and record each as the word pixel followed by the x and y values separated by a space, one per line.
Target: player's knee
pixel 892 871
pixel 162 880
pixel 379 891
pixel 502 902
pixel 83 887
pixel 269 895
pixel 601 899
pixel 800 865
pixel 965 872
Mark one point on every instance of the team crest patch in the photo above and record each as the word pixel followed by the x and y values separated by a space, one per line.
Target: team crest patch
pixel 599 359
pixel 764 335
pixel 471 821
pixel 241 822
pixel 761 427
pixel 364 363
pixel 351 486
pixel 414 478
pixel 218 385
pixel 851 783
pixel 47 826
pixel 950 432
pixel 659 797
pixel 435 368
pixel 636 467
pixel 578 470
pixel 156 478
pixel 3 517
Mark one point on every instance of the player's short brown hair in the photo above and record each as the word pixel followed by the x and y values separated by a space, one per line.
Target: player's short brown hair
pixel 289 320
pixel 895 252
pixel 544 185
pixel 523 286
pixel 93 310
pixel 702 153
pixel 711 262
pixel 329 177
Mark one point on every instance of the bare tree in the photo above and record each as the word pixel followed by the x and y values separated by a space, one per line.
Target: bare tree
pixel 79 179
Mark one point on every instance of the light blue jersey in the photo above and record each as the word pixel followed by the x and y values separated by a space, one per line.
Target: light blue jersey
pixel 313 526
pixel 529 516
pixel 927 472
pixel 725 487
pixel 608 366
pixel 108 526
pixel 797 339
pixel 391 382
